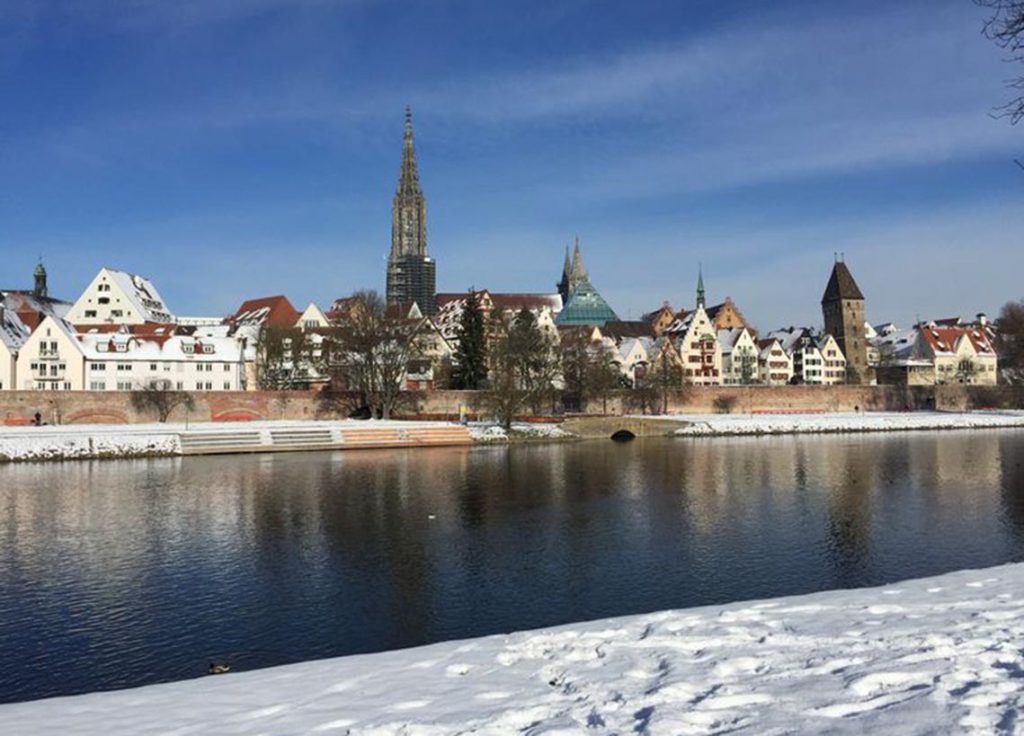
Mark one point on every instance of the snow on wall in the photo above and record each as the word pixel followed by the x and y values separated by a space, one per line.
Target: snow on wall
pixel 940 655
pixel 748 424
pixel 79 446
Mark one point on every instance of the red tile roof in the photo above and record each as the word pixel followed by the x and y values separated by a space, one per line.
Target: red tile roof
pixel 276 311
pixel 946 339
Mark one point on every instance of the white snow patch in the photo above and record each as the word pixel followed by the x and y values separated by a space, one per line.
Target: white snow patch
pixel 483 432
pixel 755 424
pixel 948 659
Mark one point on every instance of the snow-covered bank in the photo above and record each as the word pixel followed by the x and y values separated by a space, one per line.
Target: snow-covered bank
pixel 492 433
pixel 940 655
pixel 752 424
pixel 79 441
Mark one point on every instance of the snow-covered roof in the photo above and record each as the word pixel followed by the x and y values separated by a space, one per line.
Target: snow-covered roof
pixel 13 332
pixel 165 347
pixel 143 296
pixel 727 339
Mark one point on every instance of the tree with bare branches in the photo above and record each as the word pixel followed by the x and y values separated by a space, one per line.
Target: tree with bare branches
pixel 1005 26
pixel 375 346
pixel 1010 342
pixel 160 399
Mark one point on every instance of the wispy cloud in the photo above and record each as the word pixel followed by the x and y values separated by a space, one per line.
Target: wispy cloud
pixel 129 15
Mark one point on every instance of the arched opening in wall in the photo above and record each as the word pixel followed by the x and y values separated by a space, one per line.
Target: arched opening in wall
pixel 623 435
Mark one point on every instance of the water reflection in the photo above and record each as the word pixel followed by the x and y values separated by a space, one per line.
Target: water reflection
pixel 122 573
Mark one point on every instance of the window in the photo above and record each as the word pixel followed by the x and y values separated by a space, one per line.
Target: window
pixel 152 366
pixel 124 366
pixel 227 385
pixel 90 313
pixel 97 366
pixel 179 385
pixel 124 385
pixel 227 367
pixel 209 386
pixel 103 300
pixel 97 386
pixel 67 386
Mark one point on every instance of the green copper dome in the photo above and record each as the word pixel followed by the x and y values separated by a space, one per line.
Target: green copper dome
pixel 40 270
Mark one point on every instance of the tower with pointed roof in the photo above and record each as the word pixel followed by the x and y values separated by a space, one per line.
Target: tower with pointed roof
pixel 843 309
pixel 574 273
pixel 701 299
pixel 583 304
pixel 39 291
pixel 412 273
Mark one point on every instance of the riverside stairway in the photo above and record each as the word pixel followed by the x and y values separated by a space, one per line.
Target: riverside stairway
pixel 306 438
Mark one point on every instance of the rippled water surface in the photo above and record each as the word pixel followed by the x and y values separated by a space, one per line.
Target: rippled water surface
pixel 116 574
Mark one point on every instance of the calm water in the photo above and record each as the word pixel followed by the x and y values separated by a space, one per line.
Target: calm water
pixel 117 574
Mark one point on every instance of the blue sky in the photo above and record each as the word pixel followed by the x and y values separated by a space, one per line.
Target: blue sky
pixel 237 148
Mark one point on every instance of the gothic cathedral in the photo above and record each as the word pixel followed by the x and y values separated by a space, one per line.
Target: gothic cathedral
pixel 412 272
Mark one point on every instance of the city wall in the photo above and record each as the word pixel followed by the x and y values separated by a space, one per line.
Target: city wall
pixel 106 407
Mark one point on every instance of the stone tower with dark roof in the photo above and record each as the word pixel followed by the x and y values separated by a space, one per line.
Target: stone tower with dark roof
pixel 412 273
pixel 843 309
pixel 39 290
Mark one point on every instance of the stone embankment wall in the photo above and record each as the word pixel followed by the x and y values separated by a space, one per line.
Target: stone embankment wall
pixel 110 407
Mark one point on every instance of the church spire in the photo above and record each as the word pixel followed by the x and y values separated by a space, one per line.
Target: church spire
pixel 701 301
pixel 579 271
pixel 409 177
pixel 411 274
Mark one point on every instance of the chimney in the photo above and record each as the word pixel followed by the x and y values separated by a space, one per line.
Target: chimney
pixel 982 319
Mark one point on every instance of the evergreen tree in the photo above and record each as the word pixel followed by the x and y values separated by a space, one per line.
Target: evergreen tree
pixel 470 369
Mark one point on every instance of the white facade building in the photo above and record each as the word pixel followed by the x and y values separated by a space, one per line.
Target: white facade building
pixel 739 356
pixel 57 357
pixel 699 351
pixel 119 298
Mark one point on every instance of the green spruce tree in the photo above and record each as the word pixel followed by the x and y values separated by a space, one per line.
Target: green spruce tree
pixel 470 369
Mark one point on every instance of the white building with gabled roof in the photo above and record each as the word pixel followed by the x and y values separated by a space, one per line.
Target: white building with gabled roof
pixel 60 357
pixel 120 298
pixel 739 356
pixel 699 351
pixel 313 318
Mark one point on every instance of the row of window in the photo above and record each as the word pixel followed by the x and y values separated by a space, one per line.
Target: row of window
pixel 200 367
pixel 129 386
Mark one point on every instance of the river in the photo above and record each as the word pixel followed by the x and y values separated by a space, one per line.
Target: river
pixel 124 573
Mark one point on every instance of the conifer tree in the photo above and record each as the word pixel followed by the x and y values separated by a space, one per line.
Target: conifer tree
pixel 470 369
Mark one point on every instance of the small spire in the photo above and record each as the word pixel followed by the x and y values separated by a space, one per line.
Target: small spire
pixel 579 271
pixel 567 266
pixel 701 302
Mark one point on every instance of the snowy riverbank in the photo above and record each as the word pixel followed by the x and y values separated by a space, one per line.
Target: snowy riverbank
pixel 81 441
pixel 755 424
pixel 939 655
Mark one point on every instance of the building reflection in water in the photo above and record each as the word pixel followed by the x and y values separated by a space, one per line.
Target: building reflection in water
pixel 121 573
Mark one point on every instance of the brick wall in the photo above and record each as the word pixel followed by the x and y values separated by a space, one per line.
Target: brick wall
pixel 88 407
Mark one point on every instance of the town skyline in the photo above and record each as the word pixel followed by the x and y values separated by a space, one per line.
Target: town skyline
pixel 899 177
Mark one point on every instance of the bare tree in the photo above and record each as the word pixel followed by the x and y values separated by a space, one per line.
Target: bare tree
pixel 159 399
pixel 523 367
pixel 589 370
pixel 1010 342
pixel 1005 26
pixel 375 346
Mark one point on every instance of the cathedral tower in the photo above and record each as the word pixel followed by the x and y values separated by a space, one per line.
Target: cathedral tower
pixel 843 309
pixel 412 273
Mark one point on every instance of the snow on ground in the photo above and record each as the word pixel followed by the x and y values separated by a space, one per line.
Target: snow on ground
pixel 940 655
pixel 484 432
pixel 740 424
pixel 69 441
